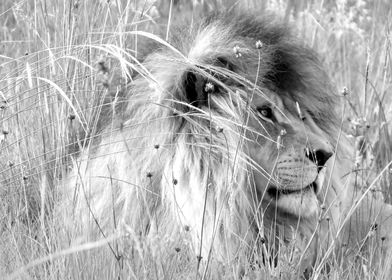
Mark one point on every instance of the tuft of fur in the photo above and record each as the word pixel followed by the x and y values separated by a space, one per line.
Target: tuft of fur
pixel 189 153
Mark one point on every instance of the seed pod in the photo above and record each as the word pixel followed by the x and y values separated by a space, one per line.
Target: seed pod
pixel 237 51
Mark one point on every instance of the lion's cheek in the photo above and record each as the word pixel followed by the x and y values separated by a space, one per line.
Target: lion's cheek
pixel 261 184
pixel 265 166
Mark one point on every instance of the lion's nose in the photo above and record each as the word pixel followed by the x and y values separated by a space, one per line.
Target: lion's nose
pixel 319 157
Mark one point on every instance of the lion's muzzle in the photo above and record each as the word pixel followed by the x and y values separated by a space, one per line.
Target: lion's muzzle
pixel 295 173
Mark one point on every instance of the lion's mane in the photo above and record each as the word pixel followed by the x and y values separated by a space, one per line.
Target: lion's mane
pixel 175 157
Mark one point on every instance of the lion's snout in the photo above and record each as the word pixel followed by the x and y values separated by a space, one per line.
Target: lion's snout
pixel 319 157
pixel 295 172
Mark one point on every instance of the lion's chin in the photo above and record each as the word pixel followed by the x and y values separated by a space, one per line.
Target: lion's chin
pixel 301 203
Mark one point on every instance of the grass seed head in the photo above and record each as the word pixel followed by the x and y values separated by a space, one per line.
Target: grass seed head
pixel 3 105
pixel 237 51
pixel 101 63
pixel 345 91
pixel 209 88
pixel 259 44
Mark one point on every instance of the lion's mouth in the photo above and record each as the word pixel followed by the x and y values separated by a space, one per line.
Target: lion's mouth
pixel 274 192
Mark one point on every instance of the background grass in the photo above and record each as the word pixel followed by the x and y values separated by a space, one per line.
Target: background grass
pixel 60 58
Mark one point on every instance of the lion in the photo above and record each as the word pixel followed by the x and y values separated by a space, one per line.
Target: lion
pixel 228 134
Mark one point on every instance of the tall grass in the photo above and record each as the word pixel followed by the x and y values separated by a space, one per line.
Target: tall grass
pixel 60 59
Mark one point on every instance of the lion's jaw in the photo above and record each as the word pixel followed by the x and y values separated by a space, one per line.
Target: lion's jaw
pixel 293 189
pixel 301 204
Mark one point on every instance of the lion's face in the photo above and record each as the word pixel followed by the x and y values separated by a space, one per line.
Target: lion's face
pixel 290 151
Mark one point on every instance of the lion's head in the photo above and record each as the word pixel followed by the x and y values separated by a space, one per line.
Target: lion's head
pixel 224 135
pixel 294 152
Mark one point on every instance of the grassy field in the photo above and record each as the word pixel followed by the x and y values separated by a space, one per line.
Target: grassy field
pixel 60 58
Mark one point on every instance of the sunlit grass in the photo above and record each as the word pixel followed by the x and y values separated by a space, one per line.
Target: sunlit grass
pixel 59 62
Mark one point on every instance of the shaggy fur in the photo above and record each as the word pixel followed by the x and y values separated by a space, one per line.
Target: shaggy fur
pixel 226 135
